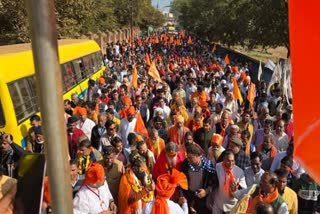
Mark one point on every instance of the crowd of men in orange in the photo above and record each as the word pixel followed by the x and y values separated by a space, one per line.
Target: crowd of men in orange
pixel 172 127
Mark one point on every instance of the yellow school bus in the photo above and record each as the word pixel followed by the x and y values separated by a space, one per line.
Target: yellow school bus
pixel 80 61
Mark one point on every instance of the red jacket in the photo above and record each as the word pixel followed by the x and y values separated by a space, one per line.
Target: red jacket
pixel 73 142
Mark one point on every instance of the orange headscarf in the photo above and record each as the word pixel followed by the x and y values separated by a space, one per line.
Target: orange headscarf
pixel 268 199
pixel 166 186
pixel 273 150
pixel 229 179
pixel 94 174
pixel 101 80
pixel 82 111
pixel 216 138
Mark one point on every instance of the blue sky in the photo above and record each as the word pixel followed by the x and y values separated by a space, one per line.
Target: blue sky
pixel 162 4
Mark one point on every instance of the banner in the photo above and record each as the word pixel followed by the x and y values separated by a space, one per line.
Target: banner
pixel 305 46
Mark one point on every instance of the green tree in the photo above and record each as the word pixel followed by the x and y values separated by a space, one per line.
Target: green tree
pixel 245 22
pixel 74 17
pixel 13 21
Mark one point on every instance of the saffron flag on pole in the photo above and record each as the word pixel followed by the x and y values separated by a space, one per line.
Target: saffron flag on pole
pixel 304 50
pixel 236 91
pixel 214 48
pixel 147 59
pixel 251 94
pixel 259 71
pixel 135 77
pixel 153 72
pixel 226 60
pixel 189 40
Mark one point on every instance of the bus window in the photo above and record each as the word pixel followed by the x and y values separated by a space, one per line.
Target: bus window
pixel 88 65
pixel 33 90
pixel 2 119
pixel 23 98
pixel 68 75
pixel 77 69
pixel 99 59
pixel 63 72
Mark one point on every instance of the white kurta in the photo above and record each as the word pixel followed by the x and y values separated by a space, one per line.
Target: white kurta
pixel 252 178
pixel 174 208
pixel 93 200
pixel 222 201
pixel 86 127
pixel 125 128
pixel 297 169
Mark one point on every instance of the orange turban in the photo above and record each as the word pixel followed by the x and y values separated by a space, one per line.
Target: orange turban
pixel 101 80
pixel 179 119
pixel 131 110
pixel 139 138
pixel 82 111
pixel 246 80
pixel 166 186
pixel 127 100
pixel 216 138
pixel 235 69
pixel 94 174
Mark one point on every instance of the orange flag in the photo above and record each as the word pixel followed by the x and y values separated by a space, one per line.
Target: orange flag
pixel 181 33
pixel 147 59
pixel 153 72
pixel 135 76
pixel 226 60
pixel 306 115
pixel 171 40
pixel 189 40
pixel 159 58
pixel 165 37
pixel 251 93
pixel 236 91
pixel 214 48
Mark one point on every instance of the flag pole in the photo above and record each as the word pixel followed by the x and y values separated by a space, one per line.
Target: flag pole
pixel 42 19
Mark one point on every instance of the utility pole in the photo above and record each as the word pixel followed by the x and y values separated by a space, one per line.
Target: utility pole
pixel 42 19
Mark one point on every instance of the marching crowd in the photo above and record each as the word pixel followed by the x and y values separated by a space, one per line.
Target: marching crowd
pixel 172 127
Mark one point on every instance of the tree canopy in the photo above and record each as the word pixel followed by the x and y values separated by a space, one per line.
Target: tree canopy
pixel 79 17
pixel 244 22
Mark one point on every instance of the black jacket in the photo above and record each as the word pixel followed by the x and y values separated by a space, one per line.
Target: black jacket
pixel 11 159
pixel 209 180
pixel 95 138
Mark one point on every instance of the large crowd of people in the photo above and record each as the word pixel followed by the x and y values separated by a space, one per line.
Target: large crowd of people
pixel 172 127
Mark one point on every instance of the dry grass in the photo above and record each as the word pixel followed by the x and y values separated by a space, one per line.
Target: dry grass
pixel 264 54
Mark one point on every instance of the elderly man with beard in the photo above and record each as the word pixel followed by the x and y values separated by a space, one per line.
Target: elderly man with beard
pixel 168 159
pixel 200 174
pixel 155 143
pixel 177 132
pixel 94 195
pixel 136 186
pixel 113 169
